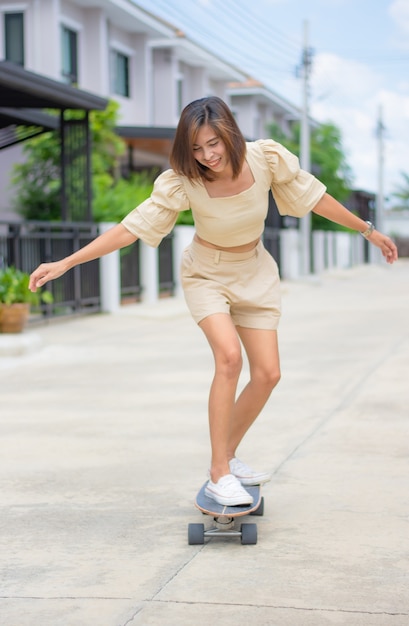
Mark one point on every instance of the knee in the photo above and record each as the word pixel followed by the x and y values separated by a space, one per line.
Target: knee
pixel 268 378
pixel 230 363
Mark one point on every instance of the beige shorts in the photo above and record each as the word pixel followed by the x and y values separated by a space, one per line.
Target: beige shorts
pixel 245 285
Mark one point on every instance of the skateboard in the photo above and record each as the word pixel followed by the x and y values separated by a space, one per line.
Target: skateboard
pixel 224 518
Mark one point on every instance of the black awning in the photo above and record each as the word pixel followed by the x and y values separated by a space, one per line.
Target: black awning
pixel 24 94
pixel 27 117
pixel 21 88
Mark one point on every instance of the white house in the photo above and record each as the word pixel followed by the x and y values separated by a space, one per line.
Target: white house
pixel 115 49
pixel 256 107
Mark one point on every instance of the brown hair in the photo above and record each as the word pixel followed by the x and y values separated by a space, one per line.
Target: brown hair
pixel 214 112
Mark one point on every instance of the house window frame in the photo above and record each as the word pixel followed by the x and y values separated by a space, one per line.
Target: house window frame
pixel 71 77
pixel 13 9
pixel 119 51
pixel 120 73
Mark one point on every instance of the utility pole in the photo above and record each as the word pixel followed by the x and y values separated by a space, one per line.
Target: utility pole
pixel 305 223
pixel 375 255
pixel 380 129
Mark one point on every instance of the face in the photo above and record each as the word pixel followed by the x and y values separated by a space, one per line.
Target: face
pixel 209 150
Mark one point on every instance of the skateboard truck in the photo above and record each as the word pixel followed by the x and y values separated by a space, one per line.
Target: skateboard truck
pixel 224 518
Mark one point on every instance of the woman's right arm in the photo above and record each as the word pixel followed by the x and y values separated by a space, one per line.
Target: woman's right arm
pixel 113 239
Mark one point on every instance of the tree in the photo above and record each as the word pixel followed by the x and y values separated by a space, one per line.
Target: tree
pixel 402 193
pixel 328 163
pixel 115 199
pixel 38 179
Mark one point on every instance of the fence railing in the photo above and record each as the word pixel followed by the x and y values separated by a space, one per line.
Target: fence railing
pixel 27 244
pixel 271 241
pixel 131 286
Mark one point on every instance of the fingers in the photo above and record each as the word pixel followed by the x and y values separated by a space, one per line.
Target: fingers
pixel 46 272
pixel 38 278
pixel 389 251
pixel 386 245
pixel 33 283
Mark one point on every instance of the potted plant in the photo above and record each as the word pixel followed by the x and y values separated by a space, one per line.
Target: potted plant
pixel 16 299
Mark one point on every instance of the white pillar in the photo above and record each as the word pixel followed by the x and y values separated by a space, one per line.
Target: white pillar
pixel 149 273
pixel 357 249
pixel 290 253
pixel 343 249
pixel 318 251
pixel 110 277
pixel 329 237
pixel 375 255
pixel 182 236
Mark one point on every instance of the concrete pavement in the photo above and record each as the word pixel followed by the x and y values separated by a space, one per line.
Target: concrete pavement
pixel 103 444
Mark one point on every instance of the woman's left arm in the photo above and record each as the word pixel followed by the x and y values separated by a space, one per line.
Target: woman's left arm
pixel 332 210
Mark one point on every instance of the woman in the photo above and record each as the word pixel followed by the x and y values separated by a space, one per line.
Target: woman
pixel 231 283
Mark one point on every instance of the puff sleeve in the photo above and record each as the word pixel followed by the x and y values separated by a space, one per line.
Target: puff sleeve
pixel 295 191
pixel 154 218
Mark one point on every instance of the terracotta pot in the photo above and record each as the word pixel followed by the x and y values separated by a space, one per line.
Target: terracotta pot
pixel 13 317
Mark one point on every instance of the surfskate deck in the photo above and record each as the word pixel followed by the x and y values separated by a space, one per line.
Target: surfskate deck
pixel 224 517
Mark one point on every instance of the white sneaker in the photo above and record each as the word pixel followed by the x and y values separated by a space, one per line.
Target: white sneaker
pixel 228 491
pixel 246 475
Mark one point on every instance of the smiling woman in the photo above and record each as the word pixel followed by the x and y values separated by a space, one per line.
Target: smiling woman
pixel 231 283
pixel 205 132
pixel 209 150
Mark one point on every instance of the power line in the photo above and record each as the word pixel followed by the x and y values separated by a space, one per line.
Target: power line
pixel 239 16
pixel 262 28
pixel 205 26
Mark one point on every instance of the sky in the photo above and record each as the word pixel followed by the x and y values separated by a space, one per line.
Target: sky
pixel 359 72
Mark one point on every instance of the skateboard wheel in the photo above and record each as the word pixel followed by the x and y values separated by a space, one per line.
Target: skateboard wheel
pixel 196 534
pixel 260 508
pixel 248 534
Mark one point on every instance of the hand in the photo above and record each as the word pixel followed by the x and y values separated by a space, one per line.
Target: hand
pixel 46 272
pixel 388 248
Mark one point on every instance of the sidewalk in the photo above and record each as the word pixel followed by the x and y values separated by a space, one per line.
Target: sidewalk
pixel 104 443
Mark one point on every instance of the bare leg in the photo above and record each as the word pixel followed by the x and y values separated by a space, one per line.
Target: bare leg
pixel 229 419
pixel 225 344
pixel 262 351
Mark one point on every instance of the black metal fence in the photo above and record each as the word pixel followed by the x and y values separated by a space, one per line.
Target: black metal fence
pixel 166 277
pixel 403 246
pixel 131 288
pixel 27 244
pixel 273 225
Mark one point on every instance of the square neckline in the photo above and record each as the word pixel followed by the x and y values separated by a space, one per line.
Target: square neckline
pixel 235 195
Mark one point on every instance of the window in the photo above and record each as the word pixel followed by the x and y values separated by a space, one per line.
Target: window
pixel 119 73
pixel 69 55
pixel 14 37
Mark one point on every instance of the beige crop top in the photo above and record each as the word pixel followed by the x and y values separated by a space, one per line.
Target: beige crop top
pixel 233 220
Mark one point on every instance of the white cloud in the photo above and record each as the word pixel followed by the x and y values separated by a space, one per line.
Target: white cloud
pixel 343 79
pixel 350 94
pixel 399 11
